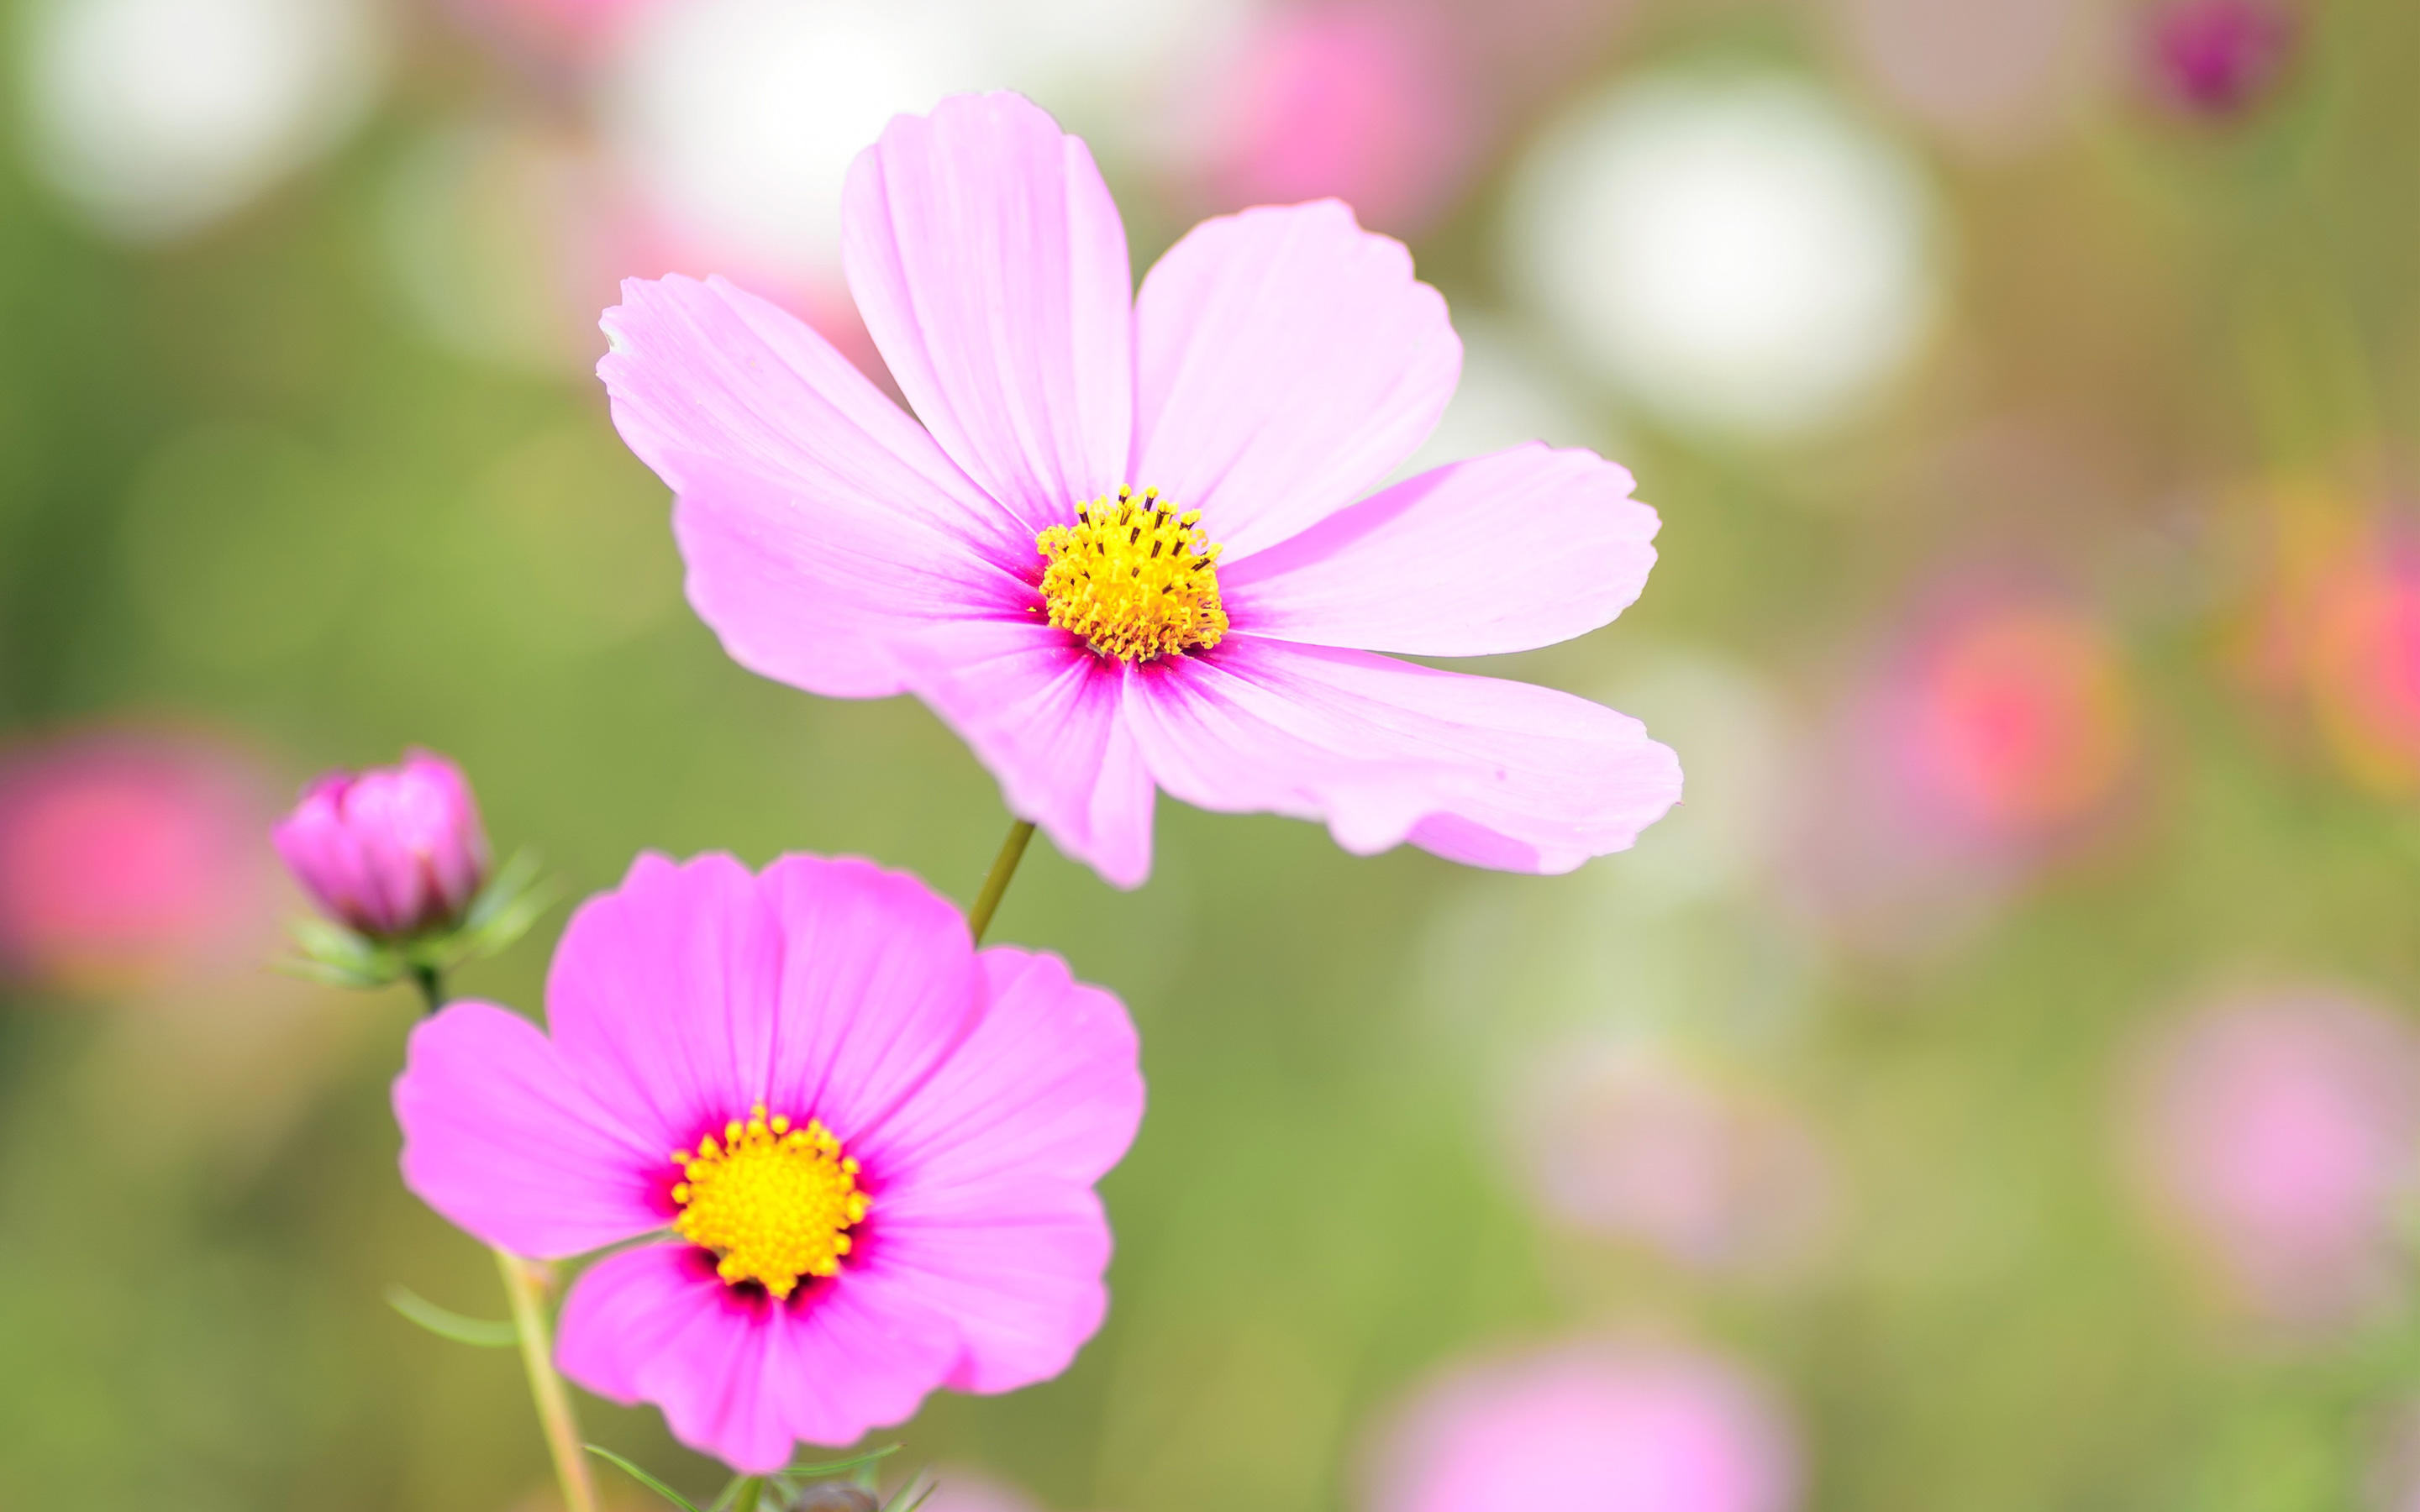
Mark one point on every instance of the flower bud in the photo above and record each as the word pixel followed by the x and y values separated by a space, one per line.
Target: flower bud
pixel 2216 58
pixel 392 851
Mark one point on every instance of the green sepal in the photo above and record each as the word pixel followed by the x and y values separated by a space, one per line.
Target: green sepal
pixel 644 1479
pixel 826 1470
pixel 921 1497
pixel 448 1324
pixel 513 900
pixel 337 956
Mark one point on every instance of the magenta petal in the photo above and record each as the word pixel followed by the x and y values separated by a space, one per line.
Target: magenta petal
pixel 878 985
pixel 994 1220
pixel 498 1138
pixel 1507 552
pixel 1481 770
pixel 818 521
pixel 665 995
pixel 739 1377
pixel 1285 360
pixel 1045 715
pixel 991 266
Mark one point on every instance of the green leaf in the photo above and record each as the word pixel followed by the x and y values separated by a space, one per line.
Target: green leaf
pixel 836 1467
pixel 452 1325
pixel 740 1495
pixel 644 1479
pixel 921 1497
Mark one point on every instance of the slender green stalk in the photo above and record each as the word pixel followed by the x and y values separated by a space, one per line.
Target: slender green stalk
pixel 526 1290
pixel 1012 851
pixel 522 1284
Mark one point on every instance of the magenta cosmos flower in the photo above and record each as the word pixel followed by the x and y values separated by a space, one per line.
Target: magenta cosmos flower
pixel 873 1147
pixel 1123 551
pixel 390 851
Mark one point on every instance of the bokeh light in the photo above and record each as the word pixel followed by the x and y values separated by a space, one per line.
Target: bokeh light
pixel 1737 252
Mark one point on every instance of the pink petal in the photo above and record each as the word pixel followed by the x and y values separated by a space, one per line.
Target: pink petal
pixel 991 266
pixel 818 520
pixel 665 995
pixel 1017 1270
pixel 1043 713
pixel 878 984
pixel 1477 769
pixel 499 1137
pixel 1285 362
pixel 993 1219
pixel 738 1376
pixel 1507 552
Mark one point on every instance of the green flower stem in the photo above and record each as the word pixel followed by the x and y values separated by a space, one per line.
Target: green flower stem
pixel 527 1290
pixel 1012 851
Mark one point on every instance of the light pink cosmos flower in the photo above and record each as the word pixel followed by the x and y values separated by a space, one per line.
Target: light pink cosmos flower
pixel 1590 1429
pixel 1122 553
pixel 127 857
pixel 875 1145
pixel 2282 1131
pixel 390 851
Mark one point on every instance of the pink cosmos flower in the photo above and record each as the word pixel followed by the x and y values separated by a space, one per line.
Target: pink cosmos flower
pixel 127 856
pixel 1122 553
pixel 875 1147
pixel 390 851
pixel 1591 1429
pixel 2283 1133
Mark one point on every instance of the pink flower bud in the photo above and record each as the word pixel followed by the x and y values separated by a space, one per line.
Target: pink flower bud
pixel 2216 57
pixel 391 851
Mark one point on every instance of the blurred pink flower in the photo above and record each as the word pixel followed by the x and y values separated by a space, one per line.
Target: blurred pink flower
pixel 2012 717
pixel 390 851
pixel 1998 732
pixel 2215 57
pixel 1639 1145
pixel 129 856
pixel 2346 625
pixel 1087 638
pixel 548 31
pixel 1366 102
pixel 875 1147
pixel 1590 1429
pixel 2280 1132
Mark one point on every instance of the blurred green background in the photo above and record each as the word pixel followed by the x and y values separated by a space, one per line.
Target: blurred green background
pixel 2030 420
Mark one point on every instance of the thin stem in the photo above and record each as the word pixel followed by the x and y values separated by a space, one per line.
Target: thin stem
pixel 522 1284
pixel 431 986
pixel 1003 866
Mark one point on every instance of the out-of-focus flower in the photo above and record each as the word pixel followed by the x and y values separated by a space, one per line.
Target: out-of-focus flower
pixel 1590 1429
pixel 1366 102
pixel 158 117
pixel 1995 76
pixel 2216 57
pixel 2010 720
pixel 390 851
pixel 1126 554
pixel 1635 1143
pixel 2341 630
pixel 129 859
pixel 891 1193
pixel 2281 1133
pixel 1738 253
pixel 1998 732
pixel 551 30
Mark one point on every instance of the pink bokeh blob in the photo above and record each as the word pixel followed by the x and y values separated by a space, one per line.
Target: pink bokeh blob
pixel 1590 1428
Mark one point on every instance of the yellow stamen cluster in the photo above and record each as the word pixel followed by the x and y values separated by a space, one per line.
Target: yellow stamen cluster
pixel 775 1202
pixel 1134 578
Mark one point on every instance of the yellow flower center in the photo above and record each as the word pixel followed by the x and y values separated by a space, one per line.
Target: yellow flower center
pixel 774 1202
pixel 1134 578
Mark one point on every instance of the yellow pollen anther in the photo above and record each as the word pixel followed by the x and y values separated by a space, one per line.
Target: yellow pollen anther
pixel 775 1203
pixel 1134 578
